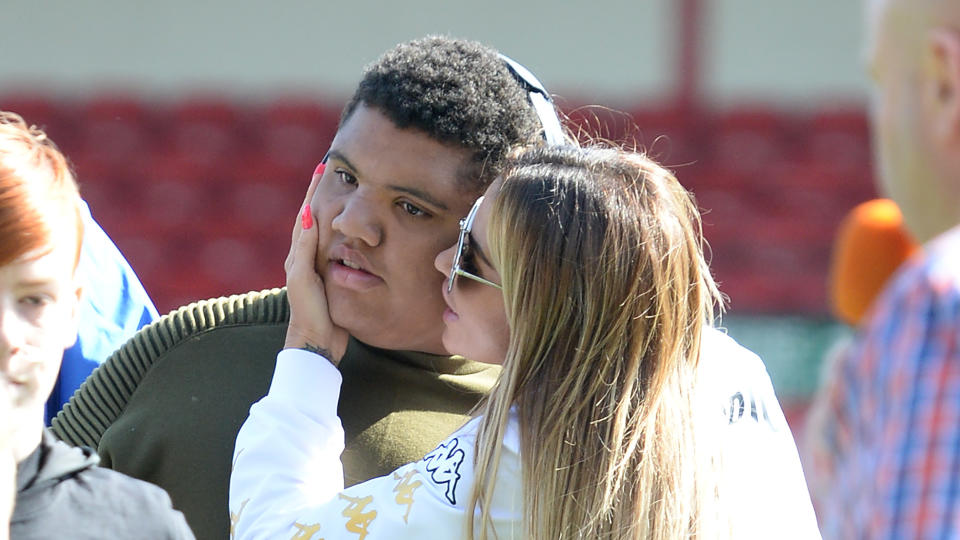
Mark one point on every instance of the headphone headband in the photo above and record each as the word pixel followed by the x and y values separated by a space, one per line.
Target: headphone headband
pixel 540 99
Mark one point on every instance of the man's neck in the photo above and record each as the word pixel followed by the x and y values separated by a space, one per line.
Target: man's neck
pixel 26 436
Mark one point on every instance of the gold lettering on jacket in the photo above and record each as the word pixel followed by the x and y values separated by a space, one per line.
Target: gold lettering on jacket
pixel 234 518
pixel 405 489
pixel 305 532
pixel 358 521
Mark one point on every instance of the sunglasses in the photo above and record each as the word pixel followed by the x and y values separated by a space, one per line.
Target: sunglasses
pixel 463 246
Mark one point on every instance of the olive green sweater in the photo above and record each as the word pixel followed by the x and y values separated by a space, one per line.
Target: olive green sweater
pixel 167 406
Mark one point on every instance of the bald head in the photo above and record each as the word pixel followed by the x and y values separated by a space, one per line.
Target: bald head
pixel 913 53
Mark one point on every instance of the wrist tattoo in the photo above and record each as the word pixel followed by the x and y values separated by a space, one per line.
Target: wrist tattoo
pixel 317 350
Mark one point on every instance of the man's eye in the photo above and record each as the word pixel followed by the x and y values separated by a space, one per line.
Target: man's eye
pixel 411 209
pixel 346 177
pixel 35 301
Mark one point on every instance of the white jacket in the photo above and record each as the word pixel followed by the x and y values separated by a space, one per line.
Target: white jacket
pixel 287 480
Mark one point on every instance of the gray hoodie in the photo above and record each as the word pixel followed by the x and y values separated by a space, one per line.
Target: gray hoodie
pixel 62 493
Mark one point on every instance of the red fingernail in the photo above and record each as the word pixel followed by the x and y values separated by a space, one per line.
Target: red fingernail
pixel 306 219
pixel 320 168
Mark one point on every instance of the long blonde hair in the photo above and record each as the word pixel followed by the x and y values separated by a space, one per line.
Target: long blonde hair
pixel 606 291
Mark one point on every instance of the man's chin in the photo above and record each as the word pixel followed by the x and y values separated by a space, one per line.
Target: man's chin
pixel 374 327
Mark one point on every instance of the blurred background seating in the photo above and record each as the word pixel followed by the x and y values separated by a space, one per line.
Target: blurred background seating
pixel 220 180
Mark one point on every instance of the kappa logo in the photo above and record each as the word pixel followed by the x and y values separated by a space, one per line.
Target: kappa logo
pixel 444 467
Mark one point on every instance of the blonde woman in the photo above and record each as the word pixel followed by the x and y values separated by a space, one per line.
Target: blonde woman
pixel 581 271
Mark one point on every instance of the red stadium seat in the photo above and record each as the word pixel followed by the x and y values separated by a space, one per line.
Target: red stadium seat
pixel 296 132
pixel 117 129
pixel 814 190
pixel 263 196
pixel 55 116
pixel 235 264
pixel 748 139
pixel 592 123
pixel 838 136
pixel 176 193
pixel 672 136
pixel 208 131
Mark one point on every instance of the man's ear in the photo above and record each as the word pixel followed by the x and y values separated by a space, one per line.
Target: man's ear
pixel 71 326
pixel 944 72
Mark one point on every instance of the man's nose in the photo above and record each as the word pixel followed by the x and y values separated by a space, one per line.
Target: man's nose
pixel 12 334
pixel 358 219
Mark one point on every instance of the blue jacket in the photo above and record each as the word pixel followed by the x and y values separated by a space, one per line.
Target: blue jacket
pixel 114 306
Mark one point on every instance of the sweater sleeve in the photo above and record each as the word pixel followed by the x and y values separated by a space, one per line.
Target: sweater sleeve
pixel 287 454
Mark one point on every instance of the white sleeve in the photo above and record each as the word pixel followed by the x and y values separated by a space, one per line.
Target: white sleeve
pixel 424 499
pixel 287 454
pixel 287 479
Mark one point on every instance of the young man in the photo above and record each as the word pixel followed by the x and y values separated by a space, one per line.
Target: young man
pixel 59 490
pixel 896 404
pixel 427 129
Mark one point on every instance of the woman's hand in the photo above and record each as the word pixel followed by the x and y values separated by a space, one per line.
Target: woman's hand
pixel 297 228
pixel 310 325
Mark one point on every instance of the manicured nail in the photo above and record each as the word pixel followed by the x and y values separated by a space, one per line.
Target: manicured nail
pixel 305 218
pixel 320 168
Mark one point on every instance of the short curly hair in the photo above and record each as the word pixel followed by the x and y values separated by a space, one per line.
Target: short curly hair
pixel 458 92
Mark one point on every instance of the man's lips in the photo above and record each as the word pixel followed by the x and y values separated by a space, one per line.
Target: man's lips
pixel 26 372
pixel 15 381
pixel 348 268
pixel 19 381
pixel 352 259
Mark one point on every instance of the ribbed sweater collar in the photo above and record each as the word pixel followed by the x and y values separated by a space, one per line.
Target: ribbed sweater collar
pixel 446 365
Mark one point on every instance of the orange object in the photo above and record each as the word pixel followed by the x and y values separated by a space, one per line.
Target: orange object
pixel 871 244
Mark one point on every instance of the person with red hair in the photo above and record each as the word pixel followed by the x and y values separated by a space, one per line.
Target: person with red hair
pixel 58 488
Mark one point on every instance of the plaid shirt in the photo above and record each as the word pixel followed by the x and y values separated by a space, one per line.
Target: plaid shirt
pixel 894 432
